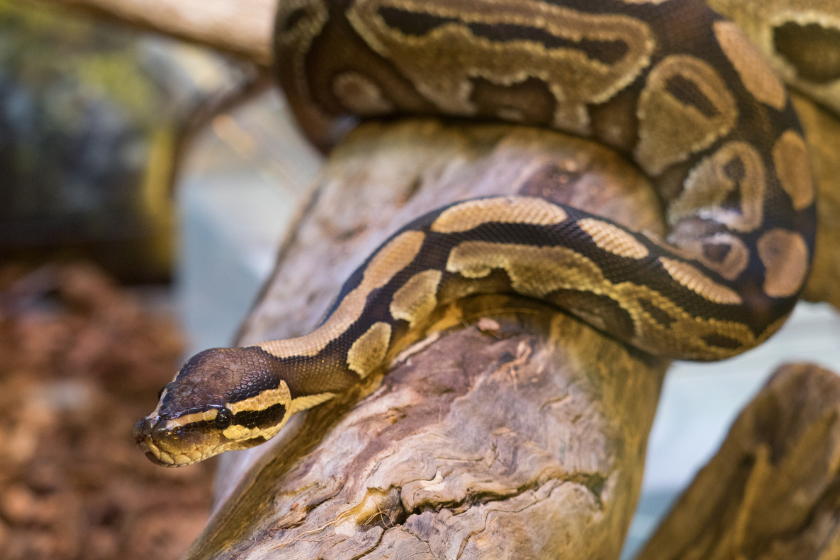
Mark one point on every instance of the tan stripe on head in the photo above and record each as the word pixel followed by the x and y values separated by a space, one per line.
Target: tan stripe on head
pixel 613 239
pixel 180 422
pixel 265 399
pixel 388 261
pixel 699 283
pixel 512 209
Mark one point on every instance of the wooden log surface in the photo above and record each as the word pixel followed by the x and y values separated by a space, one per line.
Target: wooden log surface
pixel 510 431
pixel 772 492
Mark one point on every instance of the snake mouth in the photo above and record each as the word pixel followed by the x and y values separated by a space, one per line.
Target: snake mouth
pixel 143 431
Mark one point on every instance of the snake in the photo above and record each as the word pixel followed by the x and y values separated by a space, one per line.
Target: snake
pixel 671 84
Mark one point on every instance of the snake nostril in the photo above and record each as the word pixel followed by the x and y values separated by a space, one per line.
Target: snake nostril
pixel 145 428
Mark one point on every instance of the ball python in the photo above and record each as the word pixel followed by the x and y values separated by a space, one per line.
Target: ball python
pixel 670 83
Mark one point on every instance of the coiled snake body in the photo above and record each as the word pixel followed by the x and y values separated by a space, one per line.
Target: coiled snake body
pixel 668 82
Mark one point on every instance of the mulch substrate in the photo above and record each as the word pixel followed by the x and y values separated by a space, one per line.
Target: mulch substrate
pixel 80 362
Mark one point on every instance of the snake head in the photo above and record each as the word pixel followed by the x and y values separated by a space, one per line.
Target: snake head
pixel 222 399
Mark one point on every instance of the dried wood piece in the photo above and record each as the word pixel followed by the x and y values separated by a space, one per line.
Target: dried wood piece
pixel 773 490
pixel 522 441
pixel 241 28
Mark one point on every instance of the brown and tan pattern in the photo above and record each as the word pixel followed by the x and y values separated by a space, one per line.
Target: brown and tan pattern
pixel 681 91
pixel 684 108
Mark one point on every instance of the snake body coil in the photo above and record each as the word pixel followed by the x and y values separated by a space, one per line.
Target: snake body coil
pixel 667 82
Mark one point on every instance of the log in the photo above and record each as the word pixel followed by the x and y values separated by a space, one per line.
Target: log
pixel 771 491
pixel 241 28
pixel 509 430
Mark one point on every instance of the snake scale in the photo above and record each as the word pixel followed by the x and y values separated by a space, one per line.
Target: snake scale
pixel 670 83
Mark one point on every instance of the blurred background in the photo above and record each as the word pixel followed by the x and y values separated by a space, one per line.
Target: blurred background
pixel 137 224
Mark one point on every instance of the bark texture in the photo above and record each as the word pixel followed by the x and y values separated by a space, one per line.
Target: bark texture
pixel 772 492
pixel 243 28
pixel 509 431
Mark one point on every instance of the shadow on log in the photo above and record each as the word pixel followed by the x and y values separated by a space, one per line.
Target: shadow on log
pixel 508 431
pixel 772 492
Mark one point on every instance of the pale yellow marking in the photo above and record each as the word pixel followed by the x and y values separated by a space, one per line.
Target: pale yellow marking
pixel 303 403
pixel 613 239
pixel 785 258
pixel 387 262
pixel 671 130
pixel 755 73
pixel 361 95
pixel 512 209
pixel 538 271
pixel 447 80
pixel 182 421
pixel 237 432
pixel 533 271
pixel 416 299
pixel 264 400
pixel 790 157
pixel 697 282
pixel 369 350
pixel 707 187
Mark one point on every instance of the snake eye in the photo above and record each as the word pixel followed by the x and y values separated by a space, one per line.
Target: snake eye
pixel 223 419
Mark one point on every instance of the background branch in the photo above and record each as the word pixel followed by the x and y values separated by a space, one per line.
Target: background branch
pixel 239 27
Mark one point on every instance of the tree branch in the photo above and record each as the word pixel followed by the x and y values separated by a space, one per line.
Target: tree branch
pixel 239 27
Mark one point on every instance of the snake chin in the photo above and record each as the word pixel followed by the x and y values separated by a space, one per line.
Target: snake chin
pixel 180 447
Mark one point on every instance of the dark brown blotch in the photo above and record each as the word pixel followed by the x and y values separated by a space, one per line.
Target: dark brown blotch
pixel 617 321
pixel 656 313
pixel 688 93
pixel 411 23
pixel 294 17
pixel 812 49
pixel 260 418
pixel 722 341
pixel 716 252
